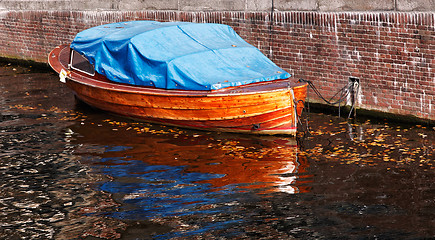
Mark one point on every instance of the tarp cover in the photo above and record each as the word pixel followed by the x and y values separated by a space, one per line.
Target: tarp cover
pixel 175 55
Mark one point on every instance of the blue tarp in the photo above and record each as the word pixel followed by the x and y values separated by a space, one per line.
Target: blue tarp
pixel 175 55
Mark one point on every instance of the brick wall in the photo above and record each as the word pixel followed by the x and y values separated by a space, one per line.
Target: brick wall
pixel 392 53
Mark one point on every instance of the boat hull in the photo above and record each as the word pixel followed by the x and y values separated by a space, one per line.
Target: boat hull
pixel 261 108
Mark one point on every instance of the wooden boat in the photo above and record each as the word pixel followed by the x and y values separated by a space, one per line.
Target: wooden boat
pixel 269 107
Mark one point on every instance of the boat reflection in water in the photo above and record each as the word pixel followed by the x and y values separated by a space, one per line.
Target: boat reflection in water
pixel 159 172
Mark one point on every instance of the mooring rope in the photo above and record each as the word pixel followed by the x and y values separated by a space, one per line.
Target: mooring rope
pixel 351 88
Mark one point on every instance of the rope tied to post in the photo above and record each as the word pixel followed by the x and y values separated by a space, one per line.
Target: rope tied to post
pixel 351 89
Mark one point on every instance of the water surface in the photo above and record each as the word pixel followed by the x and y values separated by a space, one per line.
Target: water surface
pixel 72 172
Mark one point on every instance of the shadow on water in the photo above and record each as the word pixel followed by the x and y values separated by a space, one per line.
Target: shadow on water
pixel 72 172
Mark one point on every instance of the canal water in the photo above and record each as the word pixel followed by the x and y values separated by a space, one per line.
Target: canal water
pixel 72 172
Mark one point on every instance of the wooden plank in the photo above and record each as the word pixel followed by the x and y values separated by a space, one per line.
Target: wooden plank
pixel 123 107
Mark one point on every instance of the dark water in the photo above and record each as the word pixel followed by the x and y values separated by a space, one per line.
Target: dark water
pixel 71 172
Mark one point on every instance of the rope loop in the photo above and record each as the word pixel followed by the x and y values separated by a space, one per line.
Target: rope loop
pixel 350 89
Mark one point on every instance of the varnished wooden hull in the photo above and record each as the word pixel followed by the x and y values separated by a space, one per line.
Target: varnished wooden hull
pixel 261 108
